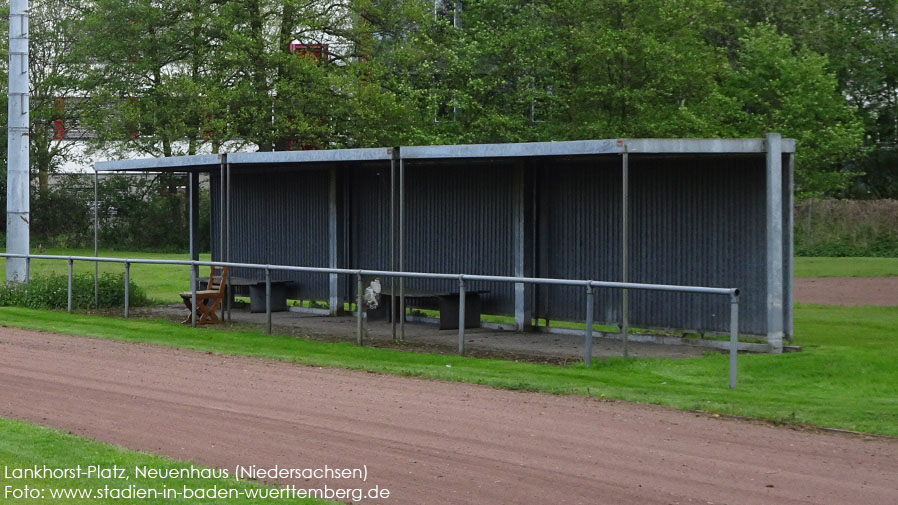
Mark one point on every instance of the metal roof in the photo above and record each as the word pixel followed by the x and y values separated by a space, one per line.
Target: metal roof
pixel 318 156
pixel 173 163
pixel 529 149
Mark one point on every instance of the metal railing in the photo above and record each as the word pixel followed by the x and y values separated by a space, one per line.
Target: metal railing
pixel 588 285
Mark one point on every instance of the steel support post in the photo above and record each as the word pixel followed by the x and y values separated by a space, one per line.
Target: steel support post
pixel 69 289
pixel 194 216
pixel 193 295
pixel 228 238
pixel 333 303
pixel 461 315
pixel 28 269
pixel 127 287
pixel 587 332
pixel 734 337
pixel 522 312
pixel 359 338
pixel 774 242
pixel 789 249
pixel 625 251
pixel 392 315
pixel 268 300
pixel 401 249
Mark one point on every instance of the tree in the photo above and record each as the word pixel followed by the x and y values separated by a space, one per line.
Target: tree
pixel 860 40
pixel 57 97
pixel 778 89
pixel 150 76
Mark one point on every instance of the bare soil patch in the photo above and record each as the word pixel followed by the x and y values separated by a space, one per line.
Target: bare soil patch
pixel 427 441
pixel 847 290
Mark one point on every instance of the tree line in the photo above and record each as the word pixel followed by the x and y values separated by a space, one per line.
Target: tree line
pixel 163 78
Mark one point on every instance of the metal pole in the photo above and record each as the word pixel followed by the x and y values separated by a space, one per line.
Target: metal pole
pixel 96 237
pixel 221 198
pixel 228 236
pixel 18 119
pixel 393 247
pixel 69 290
pixel 27 269
pixel 625 237
pixel 587 333
pixel 194 216
pixel 127 287
pixel 461 315
pixel 734 336
pixel 401 249
pixel 193 295
pixel 268 300
pixel 358 309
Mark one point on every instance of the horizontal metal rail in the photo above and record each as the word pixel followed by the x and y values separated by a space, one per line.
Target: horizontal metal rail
pixel 732 293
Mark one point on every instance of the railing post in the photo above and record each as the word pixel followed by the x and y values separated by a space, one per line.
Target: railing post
pixel 358 309
pixel 127 287
pixel 734 336
pixel 587 333
pixel 461 315
pixel 27 269
pixel 268 300
pixel 69 291
pixel 193 295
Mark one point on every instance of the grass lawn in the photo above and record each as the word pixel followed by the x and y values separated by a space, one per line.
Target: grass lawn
pixel 162 283
pixel 845 377
pixel 845 267
pixel 23 445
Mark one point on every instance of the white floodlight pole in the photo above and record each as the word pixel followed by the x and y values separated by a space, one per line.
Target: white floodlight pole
pixel 17 205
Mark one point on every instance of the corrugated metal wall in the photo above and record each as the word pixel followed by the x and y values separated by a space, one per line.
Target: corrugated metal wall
pixel 278 217
pixel 693 221
pixel 368 191
pixel 460 219
pixel 578 235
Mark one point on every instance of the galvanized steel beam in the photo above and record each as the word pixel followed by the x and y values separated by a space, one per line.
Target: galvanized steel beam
pixel 774 218
pixel 334 304
pixel 789 247
pixel 194 215
pixel 520 215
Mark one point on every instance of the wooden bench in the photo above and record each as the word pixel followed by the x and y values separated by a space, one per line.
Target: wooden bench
pixel 447 303
pixel 207 300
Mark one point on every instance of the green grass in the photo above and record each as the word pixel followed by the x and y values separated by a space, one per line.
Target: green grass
pixel 23 445
pixel 844 378
pixel 845 267
pixel 162 283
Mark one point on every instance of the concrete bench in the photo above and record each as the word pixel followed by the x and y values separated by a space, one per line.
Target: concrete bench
pixel 256 290
pixel 447 303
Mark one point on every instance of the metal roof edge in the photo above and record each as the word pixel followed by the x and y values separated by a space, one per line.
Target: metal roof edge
pixel 150 164
pixel 509 150
pixel 316 156
pixel 703 146
pixel 594 147
pixel 565 148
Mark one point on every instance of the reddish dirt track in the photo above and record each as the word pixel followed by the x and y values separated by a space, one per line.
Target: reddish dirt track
pixel 847 290
pixel 427 441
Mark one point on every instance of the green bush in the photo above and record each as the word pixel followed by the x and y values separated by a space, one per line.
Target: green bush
pixel 50 292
